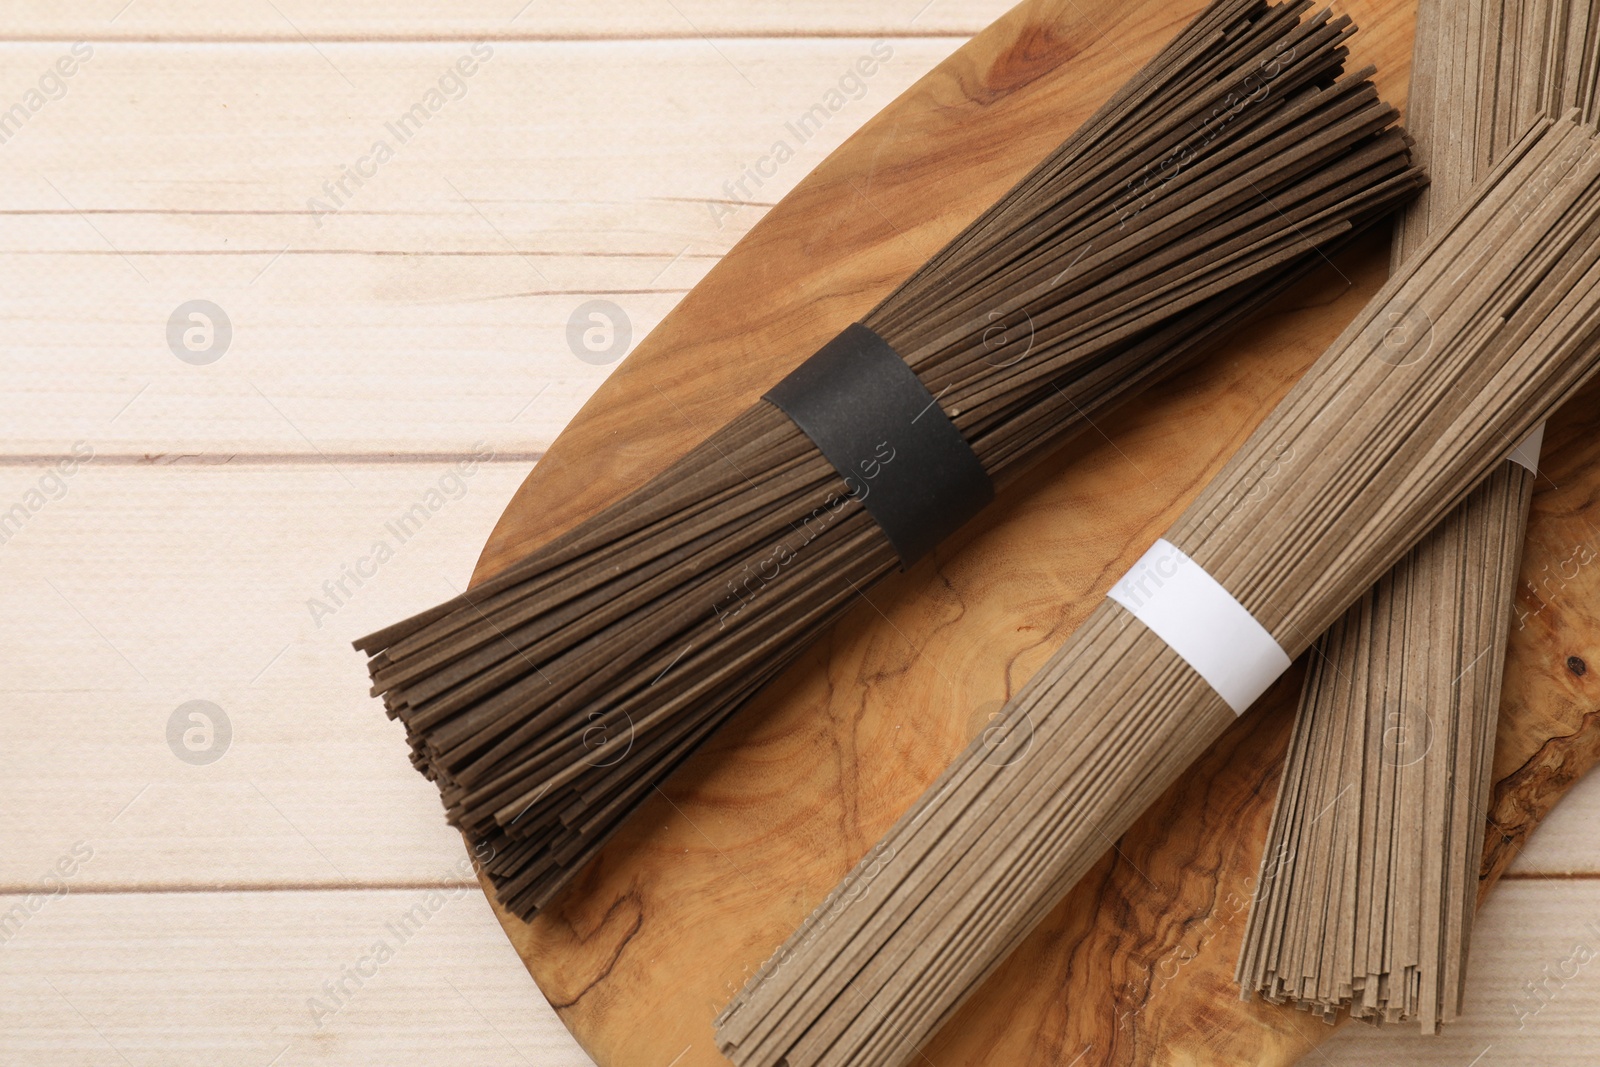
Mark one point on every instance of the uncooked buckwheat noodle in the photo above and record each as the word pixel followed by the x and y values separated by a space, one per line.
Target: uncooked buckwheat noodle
pixel 1370 875
pixel 547 702
pixel 1384 448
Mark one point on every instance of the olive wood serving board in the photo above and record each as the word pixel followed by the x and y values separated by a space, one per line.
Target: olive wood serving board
pixel 1135 966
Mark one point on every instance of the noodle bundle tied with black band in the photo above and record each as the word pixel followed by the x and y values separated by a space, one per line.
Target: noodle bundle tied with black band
pixel 547 702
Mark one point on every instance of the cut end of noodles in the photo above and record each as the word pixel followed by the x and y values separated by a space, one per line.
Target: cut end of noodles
pixel 1370 876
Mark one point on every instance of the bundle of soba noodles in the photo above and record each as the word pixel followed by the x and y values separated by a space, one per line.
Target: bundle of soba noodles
pixel 1390 433
pixel 1377 835
pixel 547 702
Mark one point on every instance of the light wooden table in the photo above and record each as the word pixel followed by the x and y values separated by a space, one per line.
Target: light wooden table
pixel 269 882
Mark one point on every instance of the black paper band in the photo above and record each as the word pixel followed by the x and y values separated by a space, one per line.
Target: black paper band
pixel 886 435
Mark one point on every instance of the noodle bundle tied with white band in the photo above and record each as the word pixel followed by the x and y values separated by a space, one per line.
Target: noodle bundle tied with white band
pixel 1207 626
pixel 1383 449
pixel 1203 623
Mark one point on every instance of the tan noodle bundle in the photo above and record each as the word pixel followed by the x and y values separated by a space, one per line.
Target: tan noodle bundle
pixel 1370 874
pixel 1248 577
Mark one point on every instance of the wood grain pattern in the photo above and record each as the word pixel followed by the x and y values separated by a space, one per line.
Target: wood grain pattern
pixel 1567 841
pixel 1135 966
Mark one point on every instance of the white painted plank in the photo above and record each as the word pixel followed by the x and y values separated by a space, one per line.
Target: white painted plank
pixel 1532 986
pixel 215 977
pixel 565 173
pixel 260 128
pixel 415 354
pixel 425 19
pixel 144 588
pixel 240 978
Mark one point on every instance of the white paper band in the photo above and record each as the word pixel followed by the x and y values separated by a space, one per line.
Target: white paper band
pixel 1527 453
pixel 1202 622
